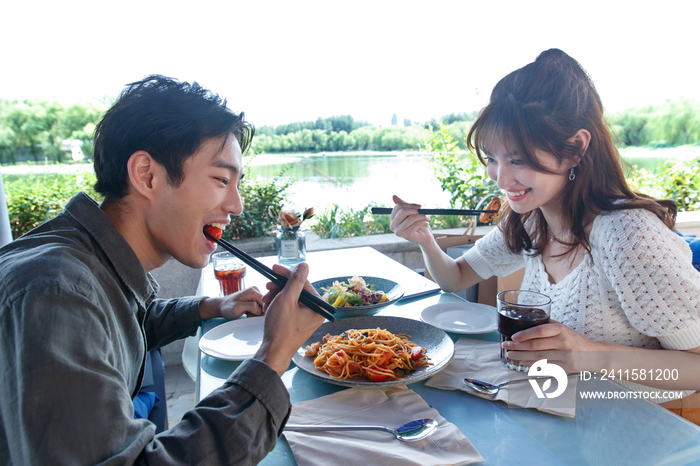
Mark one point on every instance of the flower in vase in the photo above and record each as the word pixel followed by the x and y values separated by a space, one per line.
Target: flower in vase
pixel 290 219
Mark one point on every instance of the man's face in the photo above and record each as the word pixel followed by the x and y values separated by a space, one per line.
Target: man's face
pixel 208 194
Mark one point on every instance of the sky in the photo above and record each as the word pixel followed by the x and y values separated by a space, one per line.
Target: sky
pixel 288 61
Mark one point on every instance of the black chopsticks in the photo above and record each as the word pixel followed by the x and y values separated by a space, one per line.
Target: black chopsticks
pixel 314 303
pixel 387 211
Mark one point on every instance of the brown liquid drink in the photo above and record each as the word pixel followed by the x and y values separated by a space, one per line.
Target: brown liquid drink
pixel 520 310
pixel 230 281
pixel 230 271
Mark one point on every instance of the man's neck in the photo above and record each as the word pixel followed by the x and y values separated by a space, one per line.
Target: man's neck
pixel 134 229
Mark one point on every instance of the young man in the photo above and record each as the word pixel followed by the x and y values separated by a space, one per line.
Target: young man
pixel 77 307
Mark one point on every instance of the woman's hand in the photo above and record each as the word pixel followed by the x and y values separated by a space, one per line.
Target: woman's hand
pixel 573 352
pixel 407 223
pixel 248 302
pixel 556 343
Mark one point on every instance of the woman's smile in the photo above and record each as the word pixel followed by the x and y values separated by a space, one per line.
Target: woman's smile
pixel 517 195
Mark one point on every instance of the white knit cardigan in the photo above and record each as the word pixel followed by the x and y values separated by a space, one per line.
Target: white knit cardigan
pixel 637 287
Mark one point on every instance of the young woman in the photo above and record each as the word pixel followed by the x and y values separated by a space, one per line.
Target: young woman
pixel 621 281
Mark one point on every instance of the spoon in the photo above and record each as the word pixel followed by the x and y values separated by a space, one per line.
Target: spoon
pixel 491 389
pixel 409 432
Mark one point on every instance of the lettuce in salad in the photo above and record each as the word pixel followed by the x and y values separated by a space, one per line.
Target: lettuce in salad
pixel 354 293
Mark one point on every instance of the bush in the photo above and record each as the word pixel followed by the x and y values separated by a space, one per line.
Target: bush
pixel 258 196
pixel 335 222
pixel 675 179
pixel 32 201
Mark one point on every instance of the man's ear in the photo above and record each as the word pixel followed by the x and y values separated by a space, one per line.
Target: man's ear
pixel 580 140
pixel 142 172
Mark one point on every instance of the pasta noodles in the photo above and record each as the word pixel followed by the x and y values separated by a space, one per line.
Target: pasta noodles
pixel 373 353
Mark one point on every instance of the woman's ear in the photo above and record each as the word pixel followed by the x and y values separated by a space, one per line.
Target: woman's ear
pixel 580 140
pixel 141 167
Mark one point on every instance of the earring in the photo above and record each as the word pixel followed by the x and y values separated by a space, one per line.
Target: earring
pixel 572 175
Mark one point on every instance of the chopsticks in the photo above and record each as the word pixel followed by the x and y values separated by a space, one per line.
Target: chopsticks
pixel 315 303
pixel 387 211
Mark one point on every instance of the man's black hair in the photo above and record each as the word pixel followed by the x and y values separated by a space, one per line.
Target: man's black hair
pixel 166 118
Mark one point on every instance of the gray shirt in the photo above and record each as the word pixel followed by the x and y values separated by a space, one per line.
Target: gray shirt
pixel 77 315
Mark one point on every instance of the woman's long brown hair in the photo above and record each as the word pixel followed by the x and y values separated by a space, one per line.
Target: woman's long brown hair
pixel 542 106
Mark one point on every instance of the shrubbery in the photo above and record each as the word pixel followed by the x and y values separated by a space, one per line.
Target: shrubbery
pixel 335 222
pixel 33 200
pixel 675 179
pixel 258 196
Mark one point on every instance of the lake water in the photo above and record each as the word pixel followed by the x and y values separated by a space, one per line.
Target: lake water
pixel 355 180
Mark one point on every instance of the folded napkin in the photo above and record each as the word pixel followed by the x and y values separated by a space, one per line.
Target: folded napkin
pixel 481 360
pixel 390 407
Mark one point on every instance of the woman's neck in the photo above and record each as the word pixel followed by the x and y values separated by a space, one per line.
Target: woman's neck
pixel 556 224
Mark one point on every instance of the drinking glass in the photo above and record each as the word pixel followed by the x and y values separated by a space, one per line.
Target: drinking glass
pixel 519 310
pixel 230 272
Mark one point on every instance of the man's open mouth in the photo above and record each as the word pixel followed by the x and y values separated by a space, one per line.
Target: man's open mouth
pixel 215 230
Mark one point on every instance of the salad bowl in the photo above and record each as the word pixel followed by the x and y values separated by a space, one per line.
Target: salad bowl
pixel 393 291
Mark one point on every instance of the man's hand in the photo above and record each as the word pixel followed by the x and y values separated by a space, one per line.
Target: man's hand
pixel 288 323
pixel 248 302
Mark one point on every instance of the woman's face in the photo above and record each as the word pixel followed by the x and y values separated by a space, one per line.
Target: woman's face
pixel 526 188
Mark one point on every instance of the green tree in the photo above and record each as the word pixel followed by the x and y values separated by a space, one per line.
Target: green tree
pixel 362 137
pixel 54 131
pixel 338 141
pixel 33 200
pixel 320 140
pixel 26 124
pixel 683 123
pixel 632 126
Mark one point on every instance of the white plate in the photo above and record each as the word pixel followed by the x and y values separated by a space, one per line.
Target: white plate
pixel 466 318
pixel 235 340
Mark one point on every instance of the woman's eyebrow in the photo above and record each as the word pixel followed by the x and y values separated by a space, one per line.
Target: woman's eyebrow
pixel 510 154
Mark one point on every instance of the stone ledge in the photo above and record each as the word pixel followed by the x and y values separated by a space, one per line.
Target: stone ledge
pixel 399 249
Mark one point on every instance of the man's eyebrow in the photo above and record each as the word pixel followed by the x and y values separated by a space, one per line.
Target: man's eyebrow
pixel 230 167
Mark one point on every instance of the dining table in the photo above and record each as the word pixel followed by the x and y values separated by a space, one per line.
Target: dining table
pixel 624 431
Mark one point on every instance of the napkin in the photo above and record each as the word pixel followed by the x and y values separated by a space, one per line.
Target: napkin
pixel 481 360
pixel 390 407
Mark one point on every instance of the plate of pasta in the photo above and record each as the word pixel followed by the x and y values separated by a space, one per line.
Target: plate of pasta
pixel 376 351
pixel 358 296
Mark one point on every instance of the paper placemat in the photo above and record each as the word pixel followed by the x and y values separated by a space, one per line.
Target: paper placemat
pixel 477 359
pixel 391 407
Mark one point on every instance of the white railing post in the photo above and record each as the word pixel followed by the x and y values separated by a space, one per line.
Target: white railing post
pixel 5 231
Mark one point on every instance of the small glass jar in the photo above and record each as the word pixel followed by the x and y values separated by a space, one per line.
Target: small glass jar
pixel 291 245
